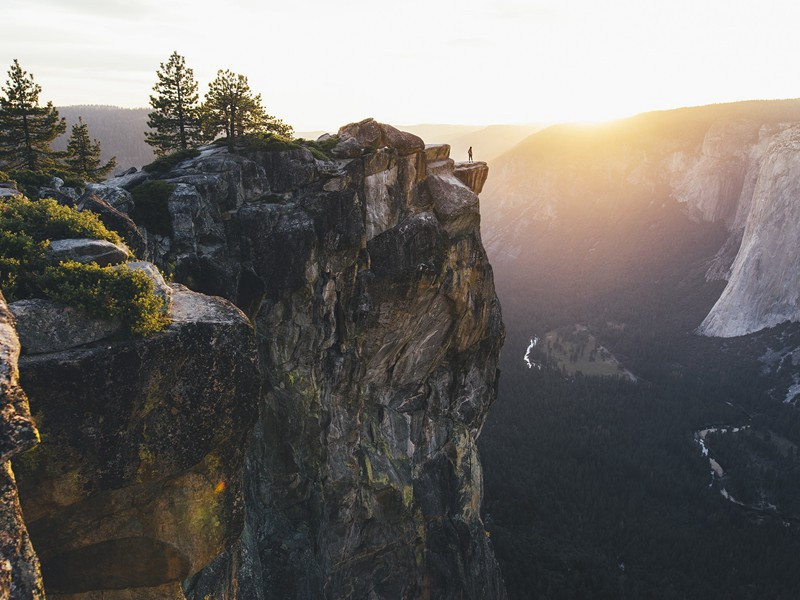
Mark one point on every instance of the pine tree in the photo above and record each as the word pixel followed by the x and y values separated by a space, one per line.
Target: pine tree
pixel 26 129
pixel 231 108
pixel 83 155
pixel 175 116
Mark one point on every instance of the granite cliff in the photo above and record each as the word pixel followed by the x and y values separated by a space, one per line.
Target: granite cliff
pixel 323 447
pixel 729 166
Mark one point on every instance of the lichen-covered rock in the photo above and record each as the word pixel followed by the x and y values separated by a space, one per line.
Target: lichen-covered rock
pixel 137 483
pixel 378 339
pixel 20 578
pixel 47 326
pixel 114 196
pixel 86 250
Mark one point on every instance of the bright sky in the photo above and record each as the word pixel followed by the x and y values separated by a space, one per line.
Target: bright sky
pixel 321 63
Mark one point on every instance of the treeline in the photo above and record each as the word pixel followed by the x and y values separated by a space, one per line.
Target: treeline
pixel 27 130
pixel 178 122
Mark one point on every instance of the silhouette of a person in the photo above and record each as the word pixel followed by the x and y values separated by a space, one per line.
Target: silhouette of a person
pixel 469 153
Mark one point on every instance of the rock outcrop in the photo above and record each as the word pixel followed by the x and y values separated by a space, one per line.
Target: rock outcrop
pixel 764 284
pixel 378 334
pixel 20 577
pixel 137 483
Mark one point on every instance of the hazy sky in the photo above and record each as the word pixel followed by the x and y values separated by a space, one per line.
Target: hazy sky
pixel 322 63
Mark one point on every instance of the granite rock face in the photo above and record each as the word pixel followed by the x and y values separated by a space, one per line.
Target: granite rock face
pixel 137 483
pixel 20 576
pixel 378 334
pixel 764 284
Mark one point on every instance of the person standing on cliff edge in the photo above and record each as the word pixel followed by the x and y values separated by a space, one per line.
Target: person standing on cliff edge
pixel 469 153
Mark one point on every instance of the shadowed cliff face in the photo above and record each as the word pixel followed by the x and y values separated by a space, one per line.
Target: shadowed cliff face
pixel 137 482
pixel 378 333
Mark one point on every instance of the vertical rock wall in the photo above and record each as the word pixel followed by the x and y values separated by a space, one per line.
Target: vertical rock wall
pixel 378 334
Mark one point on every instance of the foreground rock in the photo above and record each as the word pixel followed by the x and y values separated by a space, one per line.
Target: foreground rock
pixel 20 578
pixel 137 483
pixel 46 326
pixel 378 336
pixel 88 250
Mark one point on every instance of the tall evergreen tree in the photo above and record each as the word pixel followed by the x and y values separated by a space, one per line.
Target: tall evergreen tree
pixel 26 129
pixel 174 120
pixel 231 108
pixel 83 155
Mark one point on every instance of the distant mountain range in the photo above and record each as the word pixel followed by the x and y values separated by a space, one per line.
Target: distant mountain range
pixel 488 142
pixel 596 211
pixel 120 132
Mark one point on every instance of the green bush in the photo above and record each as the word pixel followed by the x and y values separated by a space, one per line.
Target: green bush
pixel 107 292
pixel 4 177
pixel 150 206
pixel 48 220
pixel 266 142
pixel 26 270
pixel 167 163
pixel 29 182
pixel 320 150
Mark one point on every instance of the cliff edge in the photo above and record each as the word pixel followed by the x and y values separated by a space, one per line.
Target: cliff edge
pixel 377 336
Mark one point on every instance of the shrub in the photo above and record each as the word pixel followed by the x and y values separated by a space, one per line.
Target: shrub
pixel 266 142
pixel 47 219
pixel 107 292
pixel 4 177
pixel 320 150
pixel 26 271
pixel 167 163
pixel 150 206
pixel 29 182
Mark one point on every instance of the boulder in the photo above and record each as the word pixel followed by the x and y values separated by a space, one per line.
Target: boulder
pixel 46 326
pixel 60 195
pixel 436 152
pixel 347 148
pixel 116 220
pixel 456 206
pixel 86 250
pixel 117 197
pixel 371 134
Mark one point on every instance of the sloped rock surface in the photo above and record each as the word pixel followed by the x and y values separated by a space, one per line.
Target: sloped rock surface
pixel 378 339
